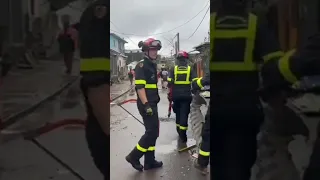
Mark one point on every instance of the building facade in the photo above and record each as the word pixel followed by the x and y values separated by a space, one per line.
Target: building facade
pixel 117 56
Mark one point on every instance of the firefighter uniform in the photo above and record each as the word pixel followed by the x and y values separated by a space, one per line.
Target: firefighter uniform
pixel 279 75
pixel 146 77
pixel 240 43
pixel 295 64
pixel 95 71
pixel 180 78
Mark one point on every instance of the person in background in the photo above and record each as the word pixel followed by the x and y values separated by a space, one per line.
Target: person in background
pixel 68 42
pixel 164 79
pixel 131 75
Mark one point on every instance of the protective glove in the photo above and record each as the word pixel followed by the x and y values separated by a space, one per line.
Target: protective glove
pixel 148 109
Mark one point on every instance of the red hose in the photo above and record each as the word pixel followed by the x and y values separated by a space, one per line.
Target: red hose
pixel 52 126
pixel 65 122
pixel 127 101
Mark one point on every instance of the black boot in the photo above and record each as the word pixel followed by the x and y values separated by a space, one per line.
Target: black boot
pixel 178 130
pixel 203 169
pixel 150 162
pixel 183 136
pixel 134 159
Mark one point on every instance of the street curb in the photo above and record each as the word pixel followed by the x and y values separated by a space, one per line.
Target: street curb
pixel 17 116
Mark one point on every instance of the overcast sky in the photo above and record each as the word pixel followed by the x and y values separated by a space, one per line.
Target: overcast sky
pixel 140 19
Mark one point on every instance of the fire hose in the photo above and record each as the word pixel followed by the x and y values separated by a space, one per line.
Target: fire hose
pixel 33 134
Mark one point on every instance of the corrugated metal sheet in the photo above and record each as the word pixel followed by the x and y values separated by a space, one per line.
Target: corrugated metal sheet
pixel 196 117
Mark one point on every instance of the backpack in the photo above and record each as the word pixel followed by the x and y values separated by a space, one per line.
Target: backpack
pixel 66 42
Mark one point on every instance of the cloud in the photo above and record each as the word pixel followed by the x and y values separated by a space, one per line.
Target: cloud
pixel 137 20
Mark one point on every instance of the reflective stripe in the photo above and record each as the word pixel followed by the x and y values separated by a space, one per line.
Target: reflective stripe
pixel 95 64
pixel 140 82
pixel 151 86
pixel 270 56
pixel 194 79
pixel 151 148
pixel 141 148
pixel 199 83
pixel 247 63
pixel 179 71
pixel 203 153
pixel 182 127
pixel 169 79
pixel 147 86
pixel 284 67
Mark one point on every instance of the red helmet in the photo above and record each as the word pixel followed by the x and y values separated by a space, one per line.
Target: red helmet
pixel 182 54
pixel 150 43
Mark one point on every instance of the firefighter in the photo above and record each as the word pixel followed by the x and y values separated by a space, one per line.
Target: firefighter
pixel 240 43
pixel 148 98
pixel 95 82
pixel 278 77
pixel 204 149
pixel 180 78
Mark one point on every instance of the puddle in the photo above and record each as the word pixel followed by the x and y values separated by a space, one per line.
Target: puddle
pixel 175 146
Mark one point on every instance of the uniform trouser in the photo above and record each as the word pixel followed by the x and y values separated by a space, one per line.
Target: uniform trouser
pixel 147 142
pixel 204 149
pixel 234 144
pixel 182 110
pixel 99 146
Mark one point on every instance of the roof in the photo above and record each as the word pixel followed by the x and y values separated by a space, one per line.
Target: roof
pixel 201 46
pixel 118 37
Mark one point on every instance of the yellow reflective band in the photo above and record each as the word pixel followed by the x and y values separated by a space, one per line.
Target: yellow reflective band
pixel 140 82
pixel 247 64
pixel 178 71
pixel 194 79
pixel 151 148
pixel 178 125
pixel 203 153
pixel 183 128
pixel 95 64
pixel 199 83
pixel 273 55
pixel 151 86
pixel 284 67
pixel 141 148
pixel 169 79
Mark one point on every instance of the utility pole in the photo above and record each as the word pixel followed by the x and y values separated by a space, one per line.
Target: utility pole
pixel 178 42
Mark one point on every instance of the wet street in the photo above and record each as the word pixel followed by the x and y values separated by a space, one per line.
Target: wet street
pixel 125 133
pixel 20 158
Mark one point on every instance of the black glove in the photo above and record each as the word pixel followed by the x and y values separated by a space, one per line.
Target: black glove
pixel 148 109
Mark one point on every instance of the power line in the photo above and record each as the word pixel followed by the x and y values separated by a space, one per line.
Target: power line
pixel 120 32
pixel 200 23
pixel 173 28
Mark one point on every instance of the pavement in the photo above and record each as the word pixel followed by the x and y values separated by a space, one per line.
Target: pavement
pixel 68 143
pixel 20 158
pixel 23 89
pixel 125 133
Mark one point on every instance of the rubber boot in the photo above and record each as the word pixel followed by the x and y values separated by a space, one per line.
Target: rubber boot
pixel 183 136
pixel 178 130
pixel 134 159
pixel 150 162
pixel 201 168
